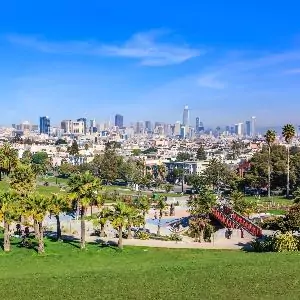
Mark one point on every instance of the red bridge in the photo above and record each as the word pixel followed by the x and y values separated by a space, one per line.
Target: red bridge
pixel 231 219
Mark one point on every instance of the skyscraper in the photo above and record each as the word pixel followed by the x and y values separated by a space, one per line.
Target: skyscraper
pixel 84 120
pixel 197 124
pixel 148 126
pixel 253 126
pixel 44 125
pixel 239 129
pixel 186 116
pixel 119 121
pixel 248 128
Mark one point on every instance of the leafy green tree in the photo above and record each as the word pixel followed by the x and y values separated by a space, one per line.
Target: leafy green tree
pixel 66 169
pixel 168 187
pixel 8 214
pixel 58 204
pixel 23 180
pixel 73 149
pixel 103 218
pixel 288 132
pixel 8 159
pixel 160 205
pixel 26 157
pixel 38 206
pixel 270 137
pixel 202 203
pixel 143 204
pixel 241 205
pixel 120 219
pixel 293 217
pixel 108 164
pixel 136 152
pixel 296 195
pixel 40 162
pixel 217 173
pixel 61 142
pixel 201 154
pixel 85 190
pixel 183 156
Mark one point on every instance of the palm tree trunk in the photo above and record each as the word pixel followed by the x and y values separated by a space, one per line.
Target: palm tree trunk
pixel 158 226
pixel 269 173
pixel 82 217
pixel 129 237
pixel 36 229
pixel 102 232
pixel 58 228
pixel 288 173
pixel 144 216
pixel 6 245
pixel 41 247
pixel 120 242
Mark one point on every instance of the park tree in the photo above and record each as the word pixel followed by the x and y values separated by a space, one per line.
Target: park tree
pixel 58 204
pixel 8 159
pixel 37 206
pixel 107 165
pixel 217 173
pixel 160 206
pixel 241 205
pixel 40 162
pixel 85 191
pixel 288 132
pixel 293 217
pixel 73 150
pixel 23 180
pixel 120 217
pixel 143 204
pixel 183 156
pixel 201 155
pixel 26 157
pixel 270 137
pixel 8 214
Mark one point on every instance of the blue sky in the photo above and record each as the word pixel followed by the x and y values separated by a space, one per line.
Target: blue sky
pixel 227 60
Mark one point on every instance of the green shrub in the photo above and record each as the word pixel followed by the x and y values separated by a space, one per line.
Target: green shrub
pixel 175 237
pixel 143 235
pixel 286 242
pixel 208 232
pixel 263 245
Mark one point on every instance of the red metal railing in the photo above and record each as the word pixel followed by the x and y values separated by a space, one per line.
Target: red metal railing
pixel 231 219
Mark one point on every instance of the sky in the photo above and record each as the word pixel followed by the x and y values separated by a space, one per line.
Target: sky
pixel 146 60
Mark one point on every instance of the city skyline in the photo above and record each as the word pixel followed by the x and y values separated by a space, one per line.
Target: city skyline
pixel 138 64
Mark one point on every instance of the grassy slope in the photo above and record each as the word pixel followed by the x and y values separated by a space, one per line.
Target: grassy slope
pixel 136 273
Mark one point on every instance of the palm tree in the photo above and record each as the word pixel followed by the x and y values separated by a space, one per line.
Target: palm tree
pixel 8 214
pixel 143 204
pixel 120 219
pixel 104 217
pixel 8 159
pixel 84 190
pixel 58 204
pixel 38 206
pixel 270 137
pixel 161 205
pixel 288 132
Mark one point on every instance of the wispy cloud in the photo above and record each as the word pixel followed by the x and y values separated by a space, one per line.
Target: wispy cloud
pixel 211 81
pixel 146 47
pixel 292 71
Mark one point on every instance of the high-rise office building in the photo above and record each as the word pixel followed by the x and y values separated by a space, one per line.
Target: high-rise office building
pixel 148 126
pixel 239 129
pixel 84 120
pixel 177 128
pixel 186 116
pixel 119 121
pixel 44 125
pixel 201 127
pixel 183 132
pixel 253 126
pixel 248 128
pixel 197 124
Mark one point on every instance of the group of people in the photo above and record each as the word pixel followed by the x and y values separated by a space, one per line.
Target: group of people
pixel 229 231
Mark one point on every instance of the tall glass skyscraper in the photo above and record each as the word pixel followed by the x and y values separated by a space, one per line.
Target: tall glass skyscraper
pixel 197 124
pixel 186 116
pixel 119 121
pixel 44 125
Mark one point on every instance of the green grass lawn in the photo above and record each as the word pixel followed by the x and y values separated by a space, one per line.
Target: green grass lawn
pixel 65 272
pixel 275 199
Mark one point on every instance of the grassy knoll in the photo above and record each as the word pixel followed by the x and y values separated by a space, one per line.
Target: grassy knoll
pixel 65 272
pixel 275 199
